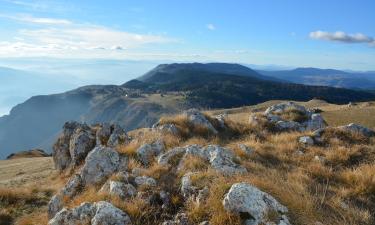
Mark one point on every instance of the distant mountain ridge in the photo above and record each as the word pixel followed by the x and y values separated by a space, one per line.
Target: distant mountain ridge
pixel 325 77
pixel 36 122
pixel 222 68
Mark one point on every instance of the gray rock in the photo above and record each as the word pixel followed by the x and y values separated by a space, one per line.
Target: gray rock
pixel 315 122
pixel 99 164
pixel 72 187
pixel 283 107
pixel 198 119
pixel 118 136
pixel 306 140
pixel 103 134
pixel 121 189
pixel 221 159
pixel 61 153
pixel 145 181
pixel 243 198
pixel 107 214
pixel 147 151
pixel 288 125
pixel 100 213
pixel 165 158
pixel 54 206
pixel 356 128
pixel 81 143
pixel 187 188
pixel 166 128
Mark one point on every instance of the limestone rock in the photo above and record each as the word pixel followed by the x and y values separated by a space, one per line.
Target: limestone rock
pixel 121 189
pixel 54 206
pixel 355 128
pixel 306 140
pixel 81 143
pixel 99 213
pixel 148 151
pixel 145 181
pixel 99 164
pixel 198 119
pixel 118 136
pixel 249 201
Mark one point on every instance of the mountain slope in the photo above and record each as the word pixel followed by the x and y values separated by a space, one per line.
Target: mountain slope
pixel 325 77
pixel 217 90
pixel 36 122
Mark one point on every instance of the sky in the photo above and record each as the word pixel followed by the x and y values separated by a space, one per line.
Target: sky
pixel 58 45
pixel 297 33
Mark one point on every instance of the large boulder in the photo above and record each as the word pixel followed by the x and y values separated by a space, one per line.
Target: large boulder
pixel 311 120
pixel 355 128
pixel 254 205
pixel 101 163
pixel 61 149
pixel 99 213
pixel 147 151
pixel 197 118
pixel 82 142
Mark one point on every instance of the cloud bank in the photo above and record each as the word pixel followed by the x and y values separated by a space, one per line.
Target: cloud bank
pixel 342 37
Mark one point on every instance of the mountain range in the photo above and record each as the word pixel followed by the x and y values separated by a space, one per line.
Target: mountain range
pixel 325 77
pixel 168 88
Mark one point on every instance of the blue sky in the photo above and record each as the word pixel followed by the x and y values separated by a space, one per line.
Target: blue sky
pixel 328 34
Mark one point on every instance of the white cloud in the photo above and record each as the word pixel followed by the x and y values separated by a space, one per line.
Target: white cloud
pixel 343 37
pixel 36 20
pixel 211 26
pixel 59 37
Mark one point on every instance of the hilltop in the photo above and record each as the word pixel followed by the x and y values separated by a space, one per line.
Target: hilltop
pixel 277 162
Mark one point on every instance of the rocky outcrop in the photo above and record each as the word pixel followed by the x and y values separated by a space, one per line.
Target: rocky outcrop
pixel 254 205
pixel 312 121
pixel 355 128
pixel 77 140
pixel 101 163
pixel 197 118
pixel 99 213
pixel 148 151
pixel 221 159
pixel 166 128
pixel 81 143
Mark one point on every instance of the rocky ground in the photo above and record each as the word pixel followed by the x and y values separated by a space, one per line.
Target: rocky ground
pixel 283 165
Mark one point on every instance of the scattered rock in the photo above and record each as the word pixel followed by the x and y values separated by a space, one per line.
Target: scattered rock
pixel 254 205
pixel 121 189
pixel 355 128
pixel 221 159
pixel 221 119
pixel 187 188
pixel 99 213
pixel 306 140
pixel 198 119
pixel 166 128
pixel 147 151
pixel 145 181
pixel 313 120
